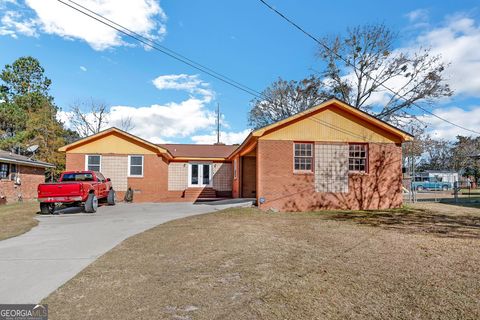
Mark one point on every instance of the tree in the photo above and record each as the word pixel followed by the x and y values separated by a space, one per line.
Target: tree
pixel 23 77
pixel 28 114
pixel 463 152
pixel 285 98
pixel 372 62
pixel 88 117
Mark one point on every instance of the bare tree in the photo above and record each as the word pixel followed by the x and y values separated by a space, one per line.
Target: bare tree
pixel 126 124
pixel 88 117
pixel 372 63
pixel 284 99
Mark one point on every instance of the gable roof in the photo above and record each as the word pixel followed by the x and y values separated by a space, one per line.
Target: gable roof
pixel 6 156
pixel 114 130
pixel 199 150
pixel 254 135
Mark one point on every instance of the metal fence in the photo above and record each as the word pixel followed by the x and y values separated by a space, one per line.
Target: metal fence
pixel 460 193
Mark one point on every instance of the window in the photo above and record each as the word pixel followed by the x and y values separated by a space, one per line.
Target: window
pixel 93 163
pixel 235 169
pixel 303 156
pixel 4 170
pixel 135 166
pixel 357 157
pixel 77 177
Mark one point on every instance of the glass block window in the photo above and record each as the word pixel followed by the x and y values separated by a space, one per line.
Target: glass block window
pixel 94 163
pixel 303 156
pixel 357 157
pixel 135 166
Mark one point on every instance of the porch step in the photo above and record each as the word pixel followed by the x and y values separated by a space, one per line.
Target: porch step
pixel 200 193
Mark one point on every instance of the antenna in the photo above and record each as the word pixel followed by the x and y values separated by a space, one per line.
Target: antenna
pixel 218 123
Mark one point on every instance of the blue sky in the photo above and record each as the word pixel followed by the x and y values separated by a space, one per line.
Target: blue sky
pixel 169 101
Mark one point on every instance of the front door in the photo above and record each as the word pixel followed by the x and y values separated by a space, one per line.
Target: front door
pixel 199 174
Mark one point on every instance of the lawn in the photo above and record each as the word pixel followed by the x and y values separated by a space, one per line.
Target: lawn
pixel 17 218
pixel 414 263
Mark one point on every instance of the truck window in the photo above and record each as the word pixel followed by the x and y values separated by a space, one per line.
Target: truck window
pixel 100 177
pixel 67 177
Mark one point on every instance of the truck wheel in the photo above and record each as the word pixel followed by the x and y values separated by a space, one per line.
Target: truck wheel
pixel 47 208
pixel 111 197
pixel 419 188
pixel 445 188
pixel 91 204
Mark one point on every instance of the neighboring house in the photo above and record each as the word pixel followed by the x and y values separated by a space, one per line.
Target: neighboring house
pixel 20 176
pixel 332 156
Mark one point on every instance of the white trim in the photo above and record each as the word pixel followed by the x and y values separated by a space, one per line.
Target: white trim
pixel 86 161
pixel 143 166
pixel 200 174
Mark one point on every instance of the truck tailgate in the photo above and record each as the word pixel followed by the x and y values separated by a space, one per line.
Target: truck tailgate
pixel 62 189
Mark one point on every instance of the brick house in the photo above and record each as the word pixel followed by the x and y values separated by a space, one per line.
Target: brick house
pixel 332 156
pixel 19 177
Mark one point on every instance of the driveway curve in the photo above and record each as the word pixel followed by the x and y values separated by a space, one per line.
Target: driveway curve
pixel 36 263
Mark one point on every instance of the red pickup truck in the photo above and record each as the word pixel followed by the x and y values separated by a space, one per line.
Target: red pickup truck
pixel 76 188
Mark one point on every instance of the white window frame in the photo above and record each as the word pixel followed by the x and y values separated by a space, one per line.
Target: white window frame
pixel 86 161
pixel 143 166
pixel 200 174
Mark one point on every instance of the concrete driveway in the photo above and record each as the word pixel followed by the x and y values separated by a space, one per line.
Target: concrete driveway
pixel 38 262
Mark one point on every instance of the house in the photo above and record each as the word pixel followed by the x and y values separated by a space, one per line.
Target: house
pixel 332 156
pixel 20 176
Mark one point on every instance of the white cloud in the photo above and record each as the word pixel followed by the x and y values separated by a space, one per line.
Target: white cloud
pixel 84 69
pixel 418 15
pixel 458 43
pixel 439 129
pixel 145 17
pixel 13 22
pixel 190 83
pixel 175 120
pixel 225 137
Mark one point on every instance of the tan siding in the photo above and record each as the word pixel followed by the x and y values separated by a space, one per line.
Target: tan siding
pixel 331 125
pixel 116 168
pixel 177 176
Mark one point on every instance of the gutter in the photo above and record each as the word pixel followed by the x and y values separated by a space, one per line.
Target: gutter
pixel 28 163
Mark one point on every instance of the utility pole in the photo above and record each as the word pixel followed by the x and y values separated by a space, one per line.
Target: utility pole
pixel 218 123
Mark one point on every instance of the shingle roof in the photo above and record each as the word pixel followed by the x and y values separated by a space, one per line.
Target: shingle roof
pixel 199 150
pixel 16 158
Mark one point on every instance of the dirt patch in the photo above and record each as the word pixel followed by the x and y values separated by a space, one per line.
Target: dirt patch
pixel 245 264
pixel 16 219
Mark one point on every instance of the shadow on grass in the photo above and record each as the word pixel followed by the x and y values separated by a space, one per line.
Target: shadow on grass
pixel 416 221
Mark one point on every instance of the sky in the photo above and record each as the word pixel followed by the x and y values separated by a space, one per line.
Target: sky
pixel 169 101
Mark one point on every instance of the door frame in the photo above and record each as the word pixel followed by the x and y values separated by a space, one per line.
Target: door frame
pixel 200 174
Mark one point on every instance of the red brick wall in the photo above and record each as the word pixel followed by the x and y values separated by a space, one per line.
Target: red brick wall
pixel 380 188
pixel 152 187
pixel 75 161
pixel 30 178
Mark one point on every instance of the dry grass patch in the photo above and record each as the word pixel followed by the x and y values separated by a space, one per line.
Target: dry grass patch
pixel 17 218
pixel 245 264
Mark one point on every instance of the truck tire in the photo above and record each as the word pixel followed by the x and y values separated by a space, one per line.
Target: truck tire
pixel 419 188
pixel 111 198
pixel 445 188
pixel 91 204
pixel 47 208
